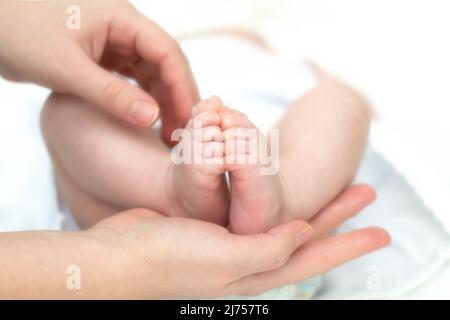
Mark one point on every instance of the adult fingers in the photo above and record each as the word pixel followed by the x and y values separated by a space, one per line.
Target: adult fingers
pixel 175 89
pixel 113 94
pixel 314 259
pixel 251 254
pixel 349 203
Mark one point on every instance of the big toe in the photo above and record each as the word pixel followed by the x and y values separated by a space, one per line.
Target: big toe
pixel 211 104
pixel 230 118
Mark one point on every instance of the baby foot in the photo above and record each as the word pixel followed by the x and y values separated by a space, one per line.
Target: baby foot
pixel 256 199
pixel 198 185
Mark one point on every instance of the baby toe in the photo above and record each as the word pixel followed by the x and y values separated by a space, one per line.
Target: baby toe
pixel 212 104
pixel 205 119
pixel 208 134
pixel 213 149
pixel 232 118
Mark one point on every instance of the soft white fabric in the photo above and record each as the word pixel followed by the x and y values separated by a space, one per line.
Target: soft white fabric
pixel 420 152
pixel 27 191
pixel 420 245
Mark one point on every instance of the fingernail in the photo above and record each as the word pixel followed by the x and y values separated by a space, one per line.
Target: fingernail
pixel 143 113
pixel 303 235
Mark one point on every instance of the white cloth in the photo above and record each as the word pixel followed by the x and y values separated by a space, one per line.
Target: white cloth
pixel 420 245
pixel 27 191
pixel 421 154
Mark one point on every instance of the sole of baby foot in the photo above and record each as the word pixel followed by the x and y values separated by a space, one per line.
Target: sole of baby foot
pixel 197 183
pixel 257 200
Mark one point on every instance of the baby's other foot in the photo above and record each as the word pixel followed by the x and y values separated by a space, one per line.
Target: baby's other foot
pixel 256 199
pixel 198 185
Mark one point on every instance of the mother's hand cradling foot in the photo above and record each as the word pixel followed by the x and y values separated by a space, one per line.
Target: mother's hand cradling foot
pixel 324 252
pixel 177 257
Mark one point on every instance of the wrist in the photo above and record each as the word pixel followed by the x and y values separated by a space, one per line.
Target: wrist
pixel 56 265
pixel 125 273
pixel 102 267
pixel 113 263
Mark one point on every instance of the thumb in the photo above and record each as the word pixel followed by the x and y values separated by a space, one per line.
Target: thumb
pixel 270 250
pixel 108 91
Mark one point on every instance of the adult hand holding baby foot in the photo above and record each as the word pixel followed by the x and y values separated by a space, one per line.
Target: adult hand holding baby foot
pixel 111 36
pixel 143 254
pixel 167 257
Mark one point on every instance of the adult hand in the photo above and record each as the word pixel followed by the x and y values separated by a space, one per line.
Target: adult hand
pixel 176 257
pixel 141 254
pixel 42 42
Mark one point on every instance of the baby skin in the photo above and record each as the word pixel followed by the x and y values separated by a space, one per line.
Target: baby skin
pixel 255 200
pixel 104 166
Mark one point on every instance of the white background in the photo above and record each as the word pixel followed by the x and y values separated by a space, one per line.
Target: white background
pixel 395 51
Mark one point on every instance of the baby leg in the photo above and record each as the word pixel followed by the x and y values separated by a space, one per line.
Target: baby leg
pixel 87 209
pixel 322 138
pixel 126 167
pixel 110 161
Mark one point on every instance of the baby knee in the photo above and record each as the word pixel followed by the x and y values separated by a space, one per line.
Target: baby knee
pixel 54 112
